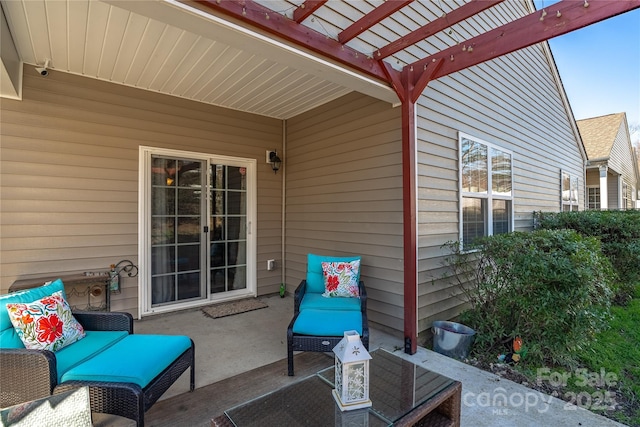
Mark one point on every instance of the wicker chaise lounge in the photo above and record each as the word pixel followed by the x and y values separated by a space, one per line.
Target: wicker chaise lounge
pixel 119 382
pixel 319 322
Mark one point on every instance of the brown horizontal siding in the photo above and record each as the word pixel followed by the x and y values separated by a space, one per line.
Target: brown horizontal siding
pixel 512 102
pixel 69 171
pixel 344 196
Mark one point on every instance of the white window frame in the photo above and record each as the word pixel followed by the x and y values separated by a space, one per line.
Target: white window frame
pixel 489 196
pixel 626 195
pixel 144 226
pixel 574 196
pixel 593 187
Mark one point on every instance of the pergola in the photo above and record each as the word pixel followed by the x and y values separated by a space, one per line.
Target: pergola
pixel 409 82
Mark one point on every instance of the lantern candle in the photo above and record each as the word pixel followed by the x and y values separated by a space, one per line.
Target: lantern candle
pixel 351 373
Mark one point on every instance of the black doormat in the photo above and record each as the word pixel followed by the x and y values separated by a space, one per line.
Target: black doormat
pixel 233 307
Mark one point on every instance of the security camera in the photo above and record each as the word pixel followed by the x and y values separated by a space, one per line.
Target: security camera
pixel 43 70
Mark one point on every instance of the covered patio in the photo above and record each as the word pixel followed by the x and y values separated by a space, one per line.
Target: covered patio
pixel 368 120
pixel 99 92
pixel 259 367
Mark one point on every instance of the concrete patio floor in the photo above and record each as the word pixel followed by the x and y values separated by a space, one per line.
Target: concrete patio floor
pixel 228 346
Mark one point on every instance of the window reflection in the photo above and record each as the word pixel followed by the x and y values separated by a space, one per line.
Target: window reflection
pixel 228 225
pixel 176 230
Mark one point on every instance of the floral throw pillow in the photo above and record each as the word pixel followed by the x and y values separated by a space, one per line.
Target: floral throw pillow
pixel 341 279
pixel 45 324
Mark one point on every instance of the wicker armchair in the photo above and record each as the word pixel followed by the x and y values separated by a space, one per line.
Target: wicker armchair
pixel 27 375
pixel 303 342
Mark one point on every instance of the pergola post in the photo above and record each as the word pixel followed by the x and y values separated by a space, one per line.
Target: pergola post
pixel 410 214
pixel 409 85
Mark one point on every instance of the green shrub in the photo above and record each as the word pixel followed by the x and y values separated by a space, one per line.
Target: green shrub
pixel 549 287
pixel 619 232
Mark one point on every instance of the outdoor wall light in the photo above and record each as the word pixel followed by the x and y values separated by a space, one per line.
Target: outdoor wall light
pixel 275 161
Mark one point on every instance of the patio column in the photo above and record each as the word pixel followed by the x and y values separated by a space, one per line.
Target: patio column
pixel 409 85
pixel 410 219
pixel 604 196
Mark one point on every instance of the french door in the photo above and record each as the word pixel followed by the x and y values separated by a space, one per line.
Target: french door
pixel 196 243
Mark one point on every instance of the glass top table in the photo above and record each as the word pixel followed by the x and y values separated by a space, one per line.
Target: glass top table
pixel 402 394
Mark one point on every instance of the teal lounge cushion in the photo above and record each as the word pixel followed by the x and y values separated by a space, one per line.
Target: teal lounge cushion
pixel 8 336
pixel 134 359
pixel 324 323
pixel 93 343
pixel 319 302
pixel 315 279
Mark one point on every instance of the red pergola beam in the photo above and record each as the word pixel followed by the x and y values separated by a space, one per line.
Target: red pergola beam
pixel 525 32
pixel 305 10
pixel 254 14
pixel 458 15
pixel 372 18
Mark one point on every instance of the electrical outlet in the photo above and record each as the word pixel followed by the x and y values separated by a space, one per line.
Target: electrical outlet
pixel 271 264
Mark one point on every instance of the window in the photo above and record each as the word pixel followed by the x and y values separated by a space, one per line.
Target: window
pixel 593 198
pixel 485 188
pixel 626 196
pixel 569 192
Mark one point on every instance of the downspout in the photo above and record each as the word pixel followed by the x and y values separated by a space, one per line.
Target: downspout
pixel 284 171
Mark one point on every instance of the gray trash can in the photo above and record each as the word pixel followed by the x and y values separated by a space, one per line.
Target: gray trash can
pixel 452 339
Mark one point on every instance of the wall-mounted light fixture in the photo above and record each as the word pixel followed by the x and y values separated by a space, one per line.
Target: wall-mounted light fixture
pixel 275 161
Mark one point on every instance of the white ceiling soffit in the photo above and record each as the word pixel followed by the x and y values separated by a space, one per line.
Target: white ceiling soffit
pixel 166 47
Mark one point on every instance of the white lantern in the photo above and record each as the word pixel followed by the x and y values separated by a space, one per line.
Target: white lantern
pixel 352 373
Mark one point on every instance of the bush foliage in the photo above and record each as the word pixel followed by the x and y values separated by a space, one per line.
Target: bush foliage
pixel 619 232
pixel 549 287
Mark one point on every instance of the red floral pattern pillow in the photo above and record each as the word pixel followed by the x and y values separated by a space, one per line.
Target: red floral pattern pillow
pixel 45 324
pixel 341 279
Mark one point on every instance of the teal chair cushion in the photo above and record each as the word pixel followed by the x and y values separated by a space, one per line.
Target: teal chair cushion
pixel 324 323
pixel 315 279
pixel 93 343
pixel 134 359
pixel 8 336
pixel 319 302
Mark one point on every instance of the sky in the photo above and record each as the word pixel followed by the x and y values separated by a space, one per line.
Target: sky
pixel 600 67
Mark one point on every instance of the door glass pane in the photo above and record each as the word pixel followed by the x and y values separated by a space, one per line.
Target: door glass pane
pixel 229 228
pixel 176 229
pixel 188 229
pixel 162 289
pixel 237 278
pixel 188 285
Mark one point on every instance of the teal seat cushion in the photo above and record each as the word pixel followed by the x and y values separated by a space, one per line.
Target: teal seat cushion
pixel 327 324
pixel 8 336
pixel 318 302
pixel 315 279
pixel 93 343
pixel 134 359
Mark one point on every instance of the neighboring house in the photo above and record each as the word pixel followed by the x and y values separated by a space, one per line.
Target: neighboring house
pixel 637 153
pixel 612 167
pixel 147 141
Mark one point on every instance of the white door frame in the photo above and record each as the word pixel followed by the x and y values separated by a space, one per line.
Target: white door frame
pixel 144 228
